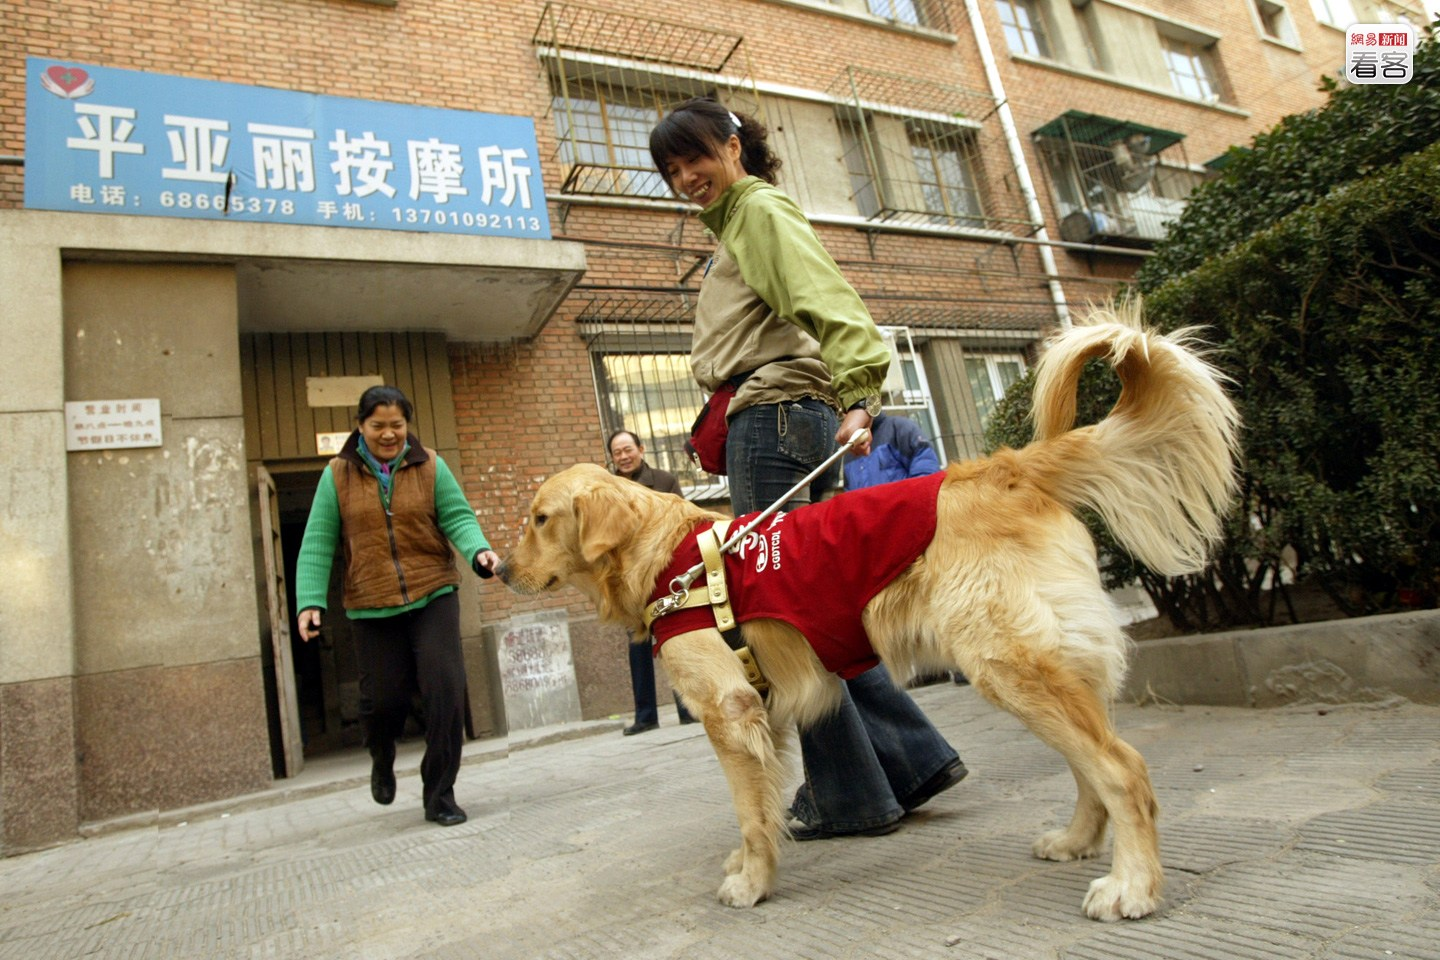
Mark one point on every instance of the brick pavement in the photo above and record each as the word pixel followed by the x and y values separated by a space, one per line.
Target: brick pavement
pixel 1304 832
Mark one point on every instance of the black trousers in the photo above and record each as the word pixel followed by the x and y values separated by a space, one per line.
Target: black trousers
pixel 419 649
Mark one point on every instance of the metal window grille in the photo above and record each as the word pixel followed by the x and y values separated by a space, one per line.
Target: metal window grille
pixel 916 13
pixel 613 76
pixel 1114 181
pixel 639 345
pixel 920 152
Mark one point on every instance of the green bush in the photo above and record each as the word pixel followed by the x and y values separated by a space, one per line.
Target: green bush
pixel 1313 264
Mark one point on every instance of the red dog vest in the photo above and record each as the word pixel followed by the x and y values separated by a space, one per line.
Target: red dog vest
pixel 815 568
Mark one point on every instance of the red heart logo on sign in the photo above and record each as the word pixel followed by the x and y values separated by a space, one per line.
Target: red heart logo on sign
pixel 68 82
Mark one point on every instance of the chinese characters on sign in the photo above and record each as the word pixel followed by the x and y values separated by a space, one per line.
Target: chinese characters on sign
pixel 1380 53
pixel 110 424
pixel 102 140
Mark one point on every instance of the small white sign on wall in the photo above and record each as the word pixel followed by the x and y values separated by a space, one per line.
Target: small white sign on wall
pixel 329 444
pixel 112 424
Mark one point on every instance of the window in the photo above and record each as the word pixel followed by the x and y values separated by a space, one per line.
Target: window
pixel 1192 69
pixel 913 170
pixel 1110 183
pixel 1336 13
pixel 990 375
pixel 907 391
pixel 946 176
pixel 901 11
pixel 605 136
pixel 1024 29
pixel 1274 21
pixel 653 396
pixel 1390 13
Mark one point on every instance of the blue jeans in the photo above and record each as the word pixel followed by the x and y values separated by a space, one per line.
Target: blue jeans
pixel 863 762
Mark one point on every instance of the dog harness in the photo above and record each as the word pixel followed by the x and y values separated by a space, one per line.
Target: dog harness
pixel 815 568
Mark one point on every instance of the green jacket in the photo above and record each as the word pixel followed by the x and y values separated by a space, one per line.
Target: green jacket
pixel 324 529
pixel 772 293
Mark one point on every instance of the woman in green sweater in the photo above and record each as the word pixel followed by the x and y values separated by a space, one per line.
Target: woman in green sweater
pixel 395 508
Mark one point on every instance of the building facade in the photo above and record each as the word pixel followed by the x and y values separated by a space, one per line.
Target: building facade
pixel 979 168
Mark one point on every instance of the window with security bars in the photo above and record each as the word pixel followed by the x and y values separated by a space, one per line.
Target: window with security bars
pixel 943 164
pixel 902 11
pixel 1192 69
pixel 654 396
pixel 919 152
pixel 1114 181
pixel 1024 27
pixel 605 140
pixel 612 77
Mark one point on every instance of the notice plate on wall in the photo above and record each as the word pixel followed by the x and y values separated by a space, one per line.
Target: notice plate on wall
pixel 112 424
pixel 329 444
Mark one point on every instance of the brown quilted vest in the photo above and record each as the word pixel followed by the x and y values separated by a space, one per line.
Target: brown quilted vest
pixel 397 559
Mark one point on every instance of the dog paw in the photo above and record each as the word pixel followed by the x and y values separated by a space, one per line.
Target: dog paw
pixel 1060 845
pixel 1111 899
pixel 735 862
pixel 737 891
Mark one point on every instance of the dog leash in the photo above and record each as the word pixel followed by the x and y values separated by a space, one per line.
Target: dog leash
pixel 680 585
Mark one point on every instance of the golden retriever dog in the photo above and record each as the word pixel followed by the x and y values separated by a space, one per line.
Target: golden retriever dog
pixel 1008 591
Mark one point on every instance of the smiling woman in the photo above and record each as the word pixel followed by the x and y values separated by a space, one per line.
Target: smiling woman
pixel 394 508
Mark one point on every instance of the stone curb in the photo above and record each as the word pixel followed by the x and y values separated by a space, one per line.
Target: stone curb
pixel 1359 660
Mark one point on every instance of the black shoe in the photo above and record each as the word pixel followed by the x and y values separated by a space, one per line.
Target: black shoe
pixel 635 728
pixel 382 778
pixel 802 831
pixel 950 775
pixel 447 818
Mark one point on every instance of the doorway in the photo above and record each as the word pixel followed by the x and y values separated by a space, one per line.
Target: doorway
pixel 326 676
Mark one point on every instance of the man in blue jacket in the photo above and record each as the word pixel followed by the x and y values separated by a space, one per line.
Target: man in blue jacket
pixel 897 451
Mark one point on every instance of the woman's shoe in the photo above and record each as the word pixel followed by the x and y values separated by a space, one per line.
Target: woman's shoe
pixel 447 818
pixel 951 774
pixel 802 831
pixel 382 778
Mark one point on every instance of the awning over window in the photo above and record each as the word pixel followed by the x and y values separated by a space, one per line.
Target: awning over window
pixel 1079 127
pixel 1221 161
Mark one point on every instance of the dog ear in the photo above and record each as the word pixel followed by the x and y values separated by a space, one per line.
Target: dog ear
pixel 607 519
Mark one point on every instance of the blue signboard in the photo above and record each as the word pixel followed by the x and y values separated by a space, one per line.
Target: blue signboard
pixel 102 140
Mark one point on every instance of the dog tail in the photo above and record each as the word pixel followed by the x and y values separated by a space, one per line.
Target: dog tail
pixel 1160 468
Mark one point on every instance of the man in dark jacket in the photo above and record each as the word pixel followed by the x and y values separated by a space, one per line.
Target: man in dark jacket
pixel 898 451
pixel 627 454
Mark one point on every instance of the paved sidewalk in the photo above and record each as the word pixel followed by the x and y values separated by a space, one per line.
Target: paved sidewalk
pixel 1295 832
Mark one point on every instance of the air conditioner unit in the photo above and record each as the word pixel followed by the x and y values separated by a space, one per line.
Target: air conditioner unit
pixel 1089 226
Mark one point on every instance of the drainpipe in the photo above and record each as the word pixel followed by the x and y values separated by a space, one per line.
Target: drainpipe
pixel 1017 157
